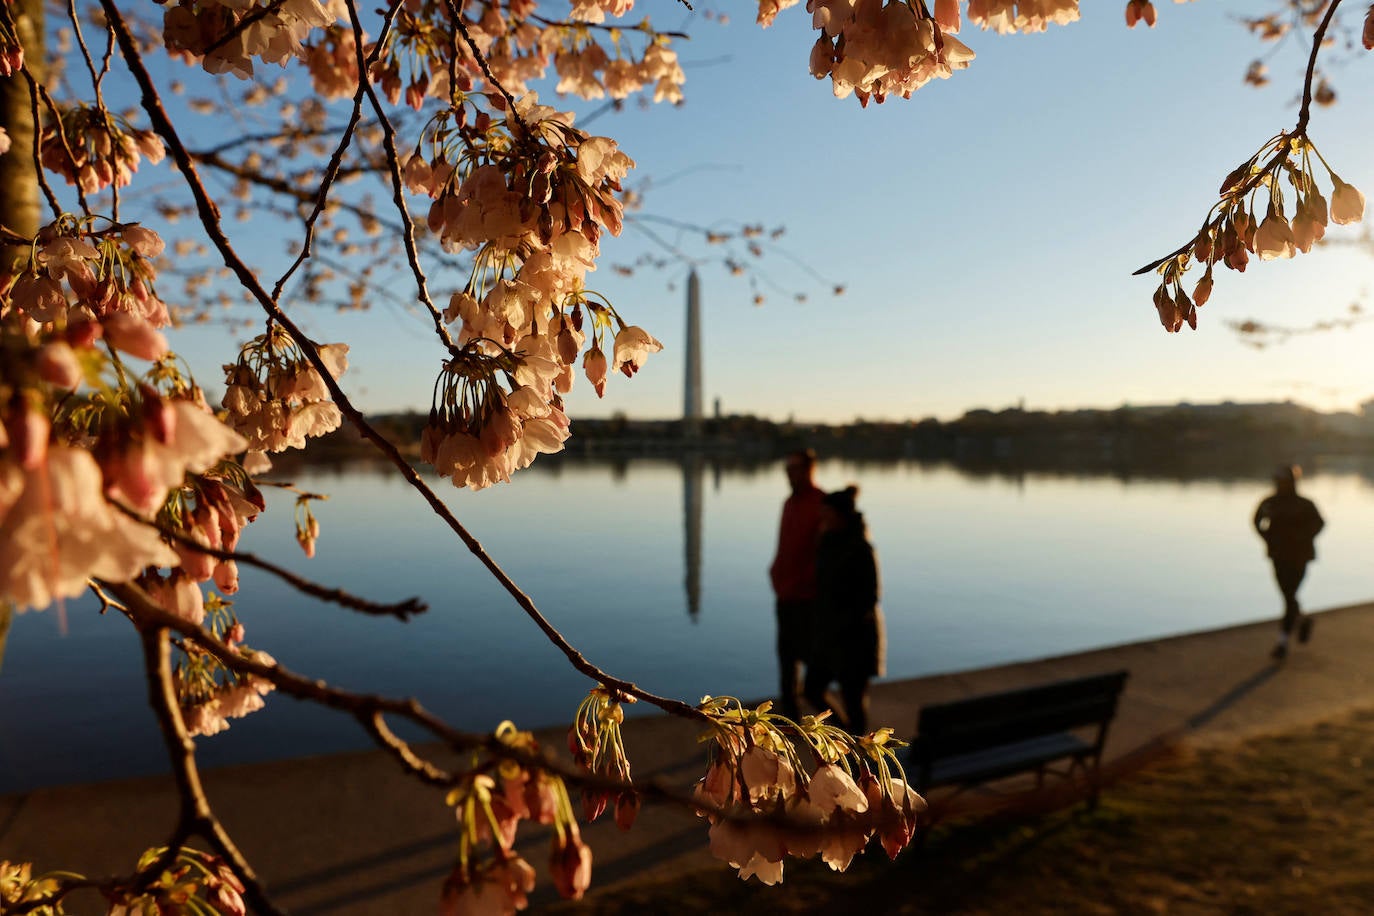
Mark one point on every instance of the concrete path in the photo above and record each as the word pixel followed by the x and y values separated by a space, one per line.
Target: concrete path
pixel 349 834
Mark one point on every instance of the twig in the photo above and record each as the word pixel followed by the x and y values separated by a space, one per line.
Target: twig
pixel 34 90
pixel 1299 132
pixel 330 173
pixel 397 184
pixel 564 24
pixel 458 22
pixel 1306 110
pixel 402 610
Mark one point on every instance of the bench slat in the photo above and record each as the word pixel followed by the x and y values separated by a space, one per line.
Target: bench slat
pixel 1002 718
pixel 982 766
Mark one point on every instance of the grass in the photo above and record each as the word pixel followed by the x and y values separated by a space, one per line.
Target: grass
pixel 1278 825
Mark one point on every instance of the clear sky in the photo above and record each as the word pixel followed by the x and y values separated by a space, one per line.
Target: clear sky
pixel 985 229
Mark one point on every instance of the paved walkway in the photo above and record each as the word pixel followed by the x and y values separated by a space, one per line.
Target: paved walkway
pixel 349 834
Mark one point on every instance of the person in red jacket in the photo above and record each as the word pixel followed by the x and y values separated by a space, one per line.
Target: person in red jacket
pixel 793 574
pixel 1289 524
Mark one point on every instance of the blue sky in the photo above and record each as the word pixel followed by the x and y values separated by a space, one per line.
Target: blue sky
pixel 985 229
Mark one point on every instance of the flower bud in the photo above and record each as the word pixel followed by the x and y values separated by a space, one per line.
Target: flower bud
pixel 1347 203
pixel 1203 291
pixel 626 810
pixel 57 365
pixel 135 336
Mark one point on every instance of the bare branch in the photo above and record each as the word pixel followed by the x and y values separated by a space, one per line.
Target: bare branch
pixel 402 610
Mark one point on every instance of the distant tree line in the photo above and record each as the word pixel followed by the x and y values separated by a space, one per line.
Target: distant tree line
pixel 1211 438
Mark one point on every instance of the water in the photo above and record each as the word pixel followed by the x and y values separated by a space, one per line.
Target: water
pixel 976 569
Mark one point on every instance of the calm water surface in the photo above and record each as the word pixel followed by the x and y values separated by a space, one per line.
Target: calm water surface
pixel 657 573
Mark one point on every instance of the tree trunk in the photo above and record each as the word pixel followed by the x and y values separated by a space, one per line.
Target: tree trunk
pixel 19 206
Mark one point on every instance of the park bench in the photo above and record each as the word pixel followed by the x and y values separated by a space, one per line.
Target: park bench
pixel 981 739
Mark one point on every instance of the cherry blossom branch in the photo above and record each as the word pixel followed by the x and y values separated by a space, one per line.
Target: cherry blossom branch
pixel 1299 132
pixel 369 708
pixel 401 610
pixel 211 220
pixel 195 815
pixel 197 818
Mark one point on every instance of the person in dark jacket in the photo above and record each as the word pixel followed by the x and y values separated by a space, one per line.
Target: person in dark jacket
pixel 1289 524
pixel 847 636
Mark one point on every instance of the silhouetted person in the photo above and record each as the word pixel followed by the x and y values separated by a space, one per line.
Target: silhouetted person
pixel 1289 524
pixel 793 574
pixel 847 637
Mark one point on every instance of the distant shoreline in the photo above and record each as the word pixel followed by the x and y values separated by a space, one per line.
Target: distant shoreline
pixel 1184 440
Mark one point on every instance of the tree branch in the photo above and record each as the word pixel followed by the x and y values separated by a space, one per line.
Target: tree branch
pixel 146 614
pixel 197 817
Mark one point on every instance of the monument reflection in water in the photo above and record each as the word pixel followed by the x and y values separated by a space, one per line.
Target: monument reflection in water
pixel 693 472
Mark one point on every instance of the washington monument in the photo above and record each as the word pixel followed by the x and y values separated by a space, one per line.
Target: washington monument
pixel 691 391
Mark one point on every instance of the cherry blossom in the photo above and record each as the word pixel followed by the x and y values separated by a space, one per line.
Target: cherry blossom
pixel 60 532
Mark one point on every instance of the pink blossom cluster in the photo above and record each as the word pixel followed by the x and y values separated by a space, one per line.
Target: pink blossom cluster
pixel 59 476
pixel 1238 230
pixel 92 149
pixel 772 808
pixel 19 886
pixel 518 47
pixel 59 529
pixel 479 434
pixel 226 36
pixel 490 876
pixel 93 285
pixel 212 512
pixel 276 398
pixel 209 702
pixel 596 745
pixel 586 71
pixel 151 448
pixel 1004 16
pixel 527 184
pixel 873 49
pixel 532 195
pixel 11 49
pixel 196 883
pixel 333 63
